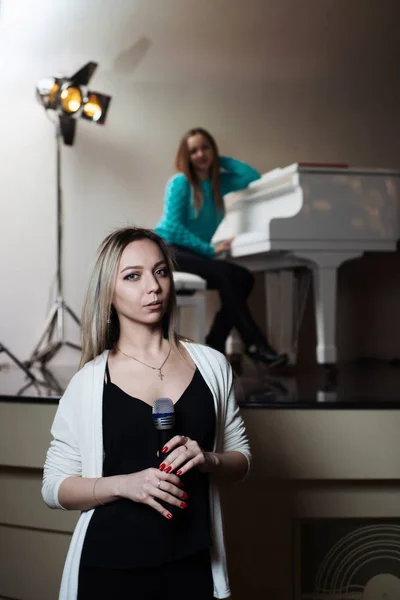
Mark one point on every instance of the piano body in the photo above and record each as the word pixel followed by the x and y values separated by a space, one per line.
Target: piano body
pixel 314 218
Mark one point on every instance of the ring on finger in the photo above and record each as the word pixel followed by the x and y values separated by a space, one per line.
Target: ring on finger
pixel 184 445
pixel 159 484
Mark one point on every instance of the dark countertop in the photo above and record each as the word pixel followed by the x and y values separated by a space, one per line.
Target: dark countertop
pixel 365 385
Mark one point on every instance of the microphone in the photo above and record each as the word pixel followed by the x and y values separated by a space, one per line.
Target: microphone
pixel 163 414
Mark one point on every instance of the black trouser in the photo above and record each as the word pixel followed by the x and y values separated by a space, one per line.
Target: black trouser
pixel 234 284
pixel 185 579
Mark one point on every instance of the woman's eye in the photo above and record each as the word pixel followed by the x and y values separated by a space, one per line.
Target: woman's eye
pixel 131 276
pixel 162 272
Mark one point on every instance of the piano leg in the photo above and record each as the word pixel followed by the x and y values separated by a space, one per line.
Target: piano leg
pixel 325 291
pixel 325 267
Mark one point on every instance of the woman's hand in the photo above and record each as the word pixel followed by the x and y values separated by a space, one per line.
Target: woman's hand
pixel 185 454
pixel 151 485
pixel 224 246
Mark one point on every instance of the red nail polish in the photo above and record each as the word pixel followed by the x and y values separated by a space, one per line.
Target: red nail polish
pixel 169 516
pixel 179 472
pixel 183 505
pixel 167 470
pixel 185 496
pixel 165 449
pixel 162 467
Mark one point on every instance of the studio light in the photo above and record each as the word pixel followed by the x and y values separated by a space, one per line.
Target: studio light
pixel 68 99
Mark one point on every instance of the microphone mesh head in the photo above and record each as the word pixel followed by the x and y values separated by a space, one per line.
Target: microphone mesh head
pixel 163 412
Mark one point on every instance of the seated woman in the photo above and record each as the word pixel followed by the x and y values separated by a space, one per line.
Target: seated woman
pixel 193 210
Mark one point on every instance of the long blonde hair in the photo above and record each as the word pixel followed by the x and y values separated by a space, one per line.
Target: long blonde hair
pixel 183 164
pixel 97 333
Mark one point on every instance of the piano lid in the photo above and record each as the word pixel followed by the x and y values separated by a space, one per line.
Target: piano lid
pixel 317 207
pixel 309 167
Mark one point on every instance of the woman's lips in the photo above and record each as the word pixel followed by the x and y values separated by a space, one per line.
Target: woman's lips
pixel 154 306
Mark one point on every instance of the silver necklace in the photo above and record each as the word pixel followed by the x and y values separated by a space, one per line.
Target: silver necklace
pixel 160 374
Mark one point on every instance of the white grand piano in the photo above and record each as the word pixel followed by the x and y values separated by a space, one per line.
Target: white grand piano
pixel 317 217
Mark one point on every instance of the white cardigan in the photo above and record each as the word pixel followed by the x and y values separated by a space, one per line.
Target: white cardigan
pixel 77 450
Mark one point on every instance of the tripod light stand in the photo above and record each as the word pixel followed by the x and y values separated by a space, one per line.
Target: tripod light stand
pixel 67 97
pixel 21 365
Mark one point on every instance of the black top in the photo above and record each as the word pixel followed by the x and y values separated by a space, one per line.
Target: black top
pixel 125 534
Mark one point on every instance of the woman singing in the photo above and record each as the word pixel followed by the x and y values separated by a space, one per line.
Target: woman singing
pixel 193 209
pixel 150 526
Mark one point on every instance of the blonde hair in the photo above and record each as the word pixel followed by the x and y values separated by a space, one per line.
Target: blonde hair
pixel 97 333
pixel 184 165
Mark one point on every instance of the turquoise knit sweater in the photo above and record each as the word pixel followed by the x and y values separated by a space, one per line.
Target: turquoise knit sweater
pixel 181 225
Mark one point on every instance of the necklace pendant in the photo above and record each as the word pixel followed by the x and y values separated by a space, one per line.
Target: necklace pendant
pixel 161 376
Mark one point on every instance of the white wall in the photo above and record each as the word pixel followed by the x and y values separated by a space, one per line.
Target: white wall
pixel 115 175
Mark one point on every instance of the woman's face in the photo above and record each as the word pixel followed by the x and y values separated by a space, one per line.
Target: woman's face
pixel 201 154
pixel 142 284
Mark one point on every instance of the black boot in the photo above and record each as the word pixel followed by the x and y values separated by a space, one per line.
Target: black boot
pixel 257 346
